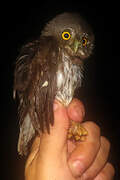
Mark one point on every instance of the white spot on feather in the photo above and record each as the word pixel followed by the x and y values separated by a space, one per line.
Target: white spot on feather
pixel 45 84
pixel 60 79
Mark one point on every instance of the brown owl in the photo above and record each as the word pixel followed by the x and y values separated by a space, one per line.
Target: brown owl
pixel 47 68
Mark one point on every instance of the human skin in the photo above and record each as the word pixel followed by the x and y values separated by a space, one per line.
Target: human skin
pixel 54 157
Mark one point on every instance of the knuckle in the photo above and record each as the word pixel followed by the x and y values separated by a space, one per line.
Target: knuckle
pixel 95 127
pixel 108 172
pixel 102 176
pixel 106 142
pixel 111 169
pixel 87 176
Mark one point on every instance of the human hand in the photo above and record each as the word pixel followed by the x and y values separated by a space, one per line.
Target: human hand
pixel 54 157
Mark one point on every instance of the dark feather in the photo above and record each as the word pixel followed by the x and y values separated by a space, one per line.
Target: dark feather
pixel 36 65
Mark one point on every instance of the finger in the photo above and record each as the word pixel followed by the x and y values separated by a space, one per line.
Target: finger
pixel 76 110
pixel 56 140
pixel 35 144
pixel 107 173
pixel 33 152
pixel 85 152
pixel 100 160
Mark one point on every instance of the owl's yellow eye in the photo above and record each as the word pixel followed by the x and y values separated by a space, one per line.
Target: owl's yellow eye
pixel 84 41
pixel 66 35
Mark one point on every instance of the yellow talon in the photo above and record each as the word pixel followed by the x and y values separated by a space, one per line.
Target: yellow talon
pixel 77 132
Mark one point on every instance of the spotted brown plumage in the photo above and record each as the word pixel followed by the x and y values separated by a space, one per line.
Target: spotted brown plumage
pixel 48 68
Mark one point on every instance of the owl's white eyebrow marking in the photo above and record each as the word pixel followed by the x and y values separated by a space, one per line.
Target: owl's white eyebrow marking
pixel 45 84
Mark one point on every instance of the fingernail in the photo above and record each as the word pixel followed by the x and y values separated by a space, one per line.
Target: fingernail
pixel 55 106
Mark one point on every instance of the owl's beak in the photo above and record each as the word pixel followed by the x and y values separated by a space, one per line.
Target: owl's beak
pixel 76 45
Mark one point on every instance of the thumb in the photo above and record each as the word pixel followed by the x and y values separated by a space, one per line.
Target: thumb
pixel 61 121
pixel 56 140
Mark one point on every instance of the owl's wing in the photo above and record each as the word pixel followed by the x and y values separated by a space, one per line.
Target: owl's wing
pixel 35 84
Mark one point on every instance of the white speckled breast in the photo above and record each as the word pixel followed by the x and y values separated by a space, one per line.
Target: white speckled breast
pixel 69 76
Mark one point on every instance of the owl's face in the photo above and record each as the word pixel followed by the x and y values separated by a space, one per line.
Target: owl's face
pixel 74 36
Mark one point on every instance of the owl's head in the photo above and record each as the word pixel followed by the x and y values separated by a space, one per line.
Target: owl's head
pixel 73 34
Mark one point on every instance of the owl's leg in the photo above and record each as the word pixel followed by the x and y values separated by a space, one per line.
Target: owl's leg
pixel 77 132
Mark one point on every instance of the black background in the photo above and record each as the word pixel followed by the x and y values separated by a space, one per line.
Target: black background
pixel 19 23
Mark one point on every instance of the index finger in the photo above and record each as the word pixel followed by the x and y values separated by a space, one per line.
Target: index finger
pixel 85 152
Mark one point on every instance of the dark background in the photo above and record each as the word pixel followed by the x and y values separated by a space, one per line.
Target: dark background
pixel 100 92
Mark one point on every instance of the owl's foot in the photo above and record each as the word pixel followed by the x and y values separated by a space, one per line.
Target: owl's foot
pixel 77 132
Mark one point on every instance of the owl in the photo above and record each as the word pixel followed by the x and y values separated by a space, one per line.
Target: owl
pixel 49 68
